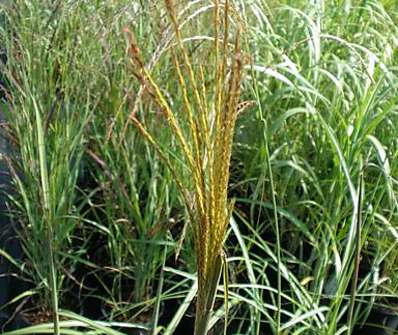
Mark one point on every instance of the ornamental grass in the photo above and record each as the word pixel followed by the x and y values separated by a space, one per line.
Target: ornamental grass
pixel 204 132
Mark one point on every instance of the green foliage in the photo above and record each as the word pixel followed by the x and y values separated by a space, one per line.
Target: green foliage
pixel 312 243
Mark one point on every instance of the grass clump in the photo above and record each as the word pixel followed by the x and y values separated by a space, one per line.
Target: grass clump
pixel 47 114
pixel 313 235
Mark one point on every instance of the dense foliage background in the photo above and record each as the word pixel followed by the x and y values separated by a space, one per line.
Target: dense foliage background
pixel 314 170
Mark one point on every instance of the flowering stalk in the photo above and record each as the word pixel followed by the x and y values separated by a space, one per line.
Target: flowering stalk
pixel 210 110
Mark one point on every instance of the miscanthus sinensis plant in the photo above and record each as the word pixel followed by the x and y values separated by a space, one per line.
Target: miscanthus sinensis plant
pixel 204 131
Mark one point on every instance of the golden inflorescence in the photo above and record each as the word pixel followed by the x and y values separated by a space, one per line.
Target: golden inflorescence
pixel 211 111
